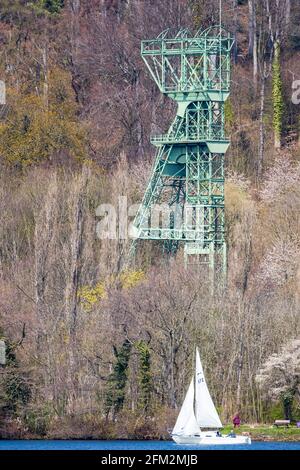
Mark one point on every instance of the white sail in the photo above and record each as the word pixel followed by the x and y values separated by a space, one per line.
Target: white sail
pixel 205 411
pixel 186 423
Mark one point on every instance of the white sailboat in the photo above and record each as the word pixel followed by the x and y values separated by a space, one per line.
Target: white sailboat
pixel 198 411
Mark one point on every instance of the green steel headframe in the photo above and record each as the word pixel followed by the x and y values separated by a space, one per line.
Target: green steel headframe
pixel 184 200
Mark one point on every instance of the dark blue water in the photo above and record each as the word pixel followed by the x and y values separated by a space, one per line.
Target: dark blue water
pixel 136 445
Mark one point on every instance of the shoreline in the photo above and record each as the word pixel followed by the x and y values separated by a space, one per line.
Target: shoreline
pixel 254 438
pixel 257 432
pixel 36 438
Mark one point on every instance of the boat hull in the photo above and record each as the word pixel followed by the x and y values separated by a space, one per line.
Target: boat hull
pixel 210 440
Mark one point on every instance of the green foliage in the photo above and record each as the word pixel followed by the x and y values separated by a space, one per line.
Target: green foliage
pixel 287 402
pixel 88 296
pixel 202 13
pixel 130 279
pixel 16 389
pixel 17 11
pixel 33 132
pixel 117 380
pixel 229 114
pixel 12 10
pixel 296 411
pixel 38 419
pixel 272 412
pixel 10 354
pixel 144 375
pixel 277 95
pixel 52 6
pixel 267 431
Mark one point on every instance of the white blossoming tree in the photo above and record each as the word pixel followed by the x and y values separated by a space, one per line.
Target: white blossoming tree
pixel 280 264
pixel 282 178
pixel 279 377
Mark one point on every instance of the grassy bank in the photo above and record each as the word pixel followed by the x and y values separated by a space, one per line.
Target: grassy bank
pixel 267 432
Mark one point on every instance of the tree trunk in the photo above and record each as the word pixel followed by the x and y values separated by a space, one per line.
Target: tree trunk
pixel 287 408
pixel 76 246
pixel 235 27
pixel 46 78
pixel 261 124
pixel 44 223
pixel 252 48
pixel 277 97
pixel 240 359
pixel 287 14
pixel 73 281
pixel 75 28
pixel 172 385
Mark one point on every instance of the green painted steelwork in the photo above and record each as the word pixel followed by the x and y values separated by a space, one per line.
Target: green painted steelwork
pixel 184 199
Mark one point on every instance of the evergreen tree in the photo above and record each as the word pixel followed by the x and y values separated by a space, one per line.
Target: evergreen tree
pixel 277 97
pixel 53 6
pixel 15 391
pixel 144 375
pixel 117 380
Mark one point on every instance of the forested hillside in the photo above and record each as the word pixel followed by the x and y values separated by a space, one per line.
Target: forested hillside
pixel 96 350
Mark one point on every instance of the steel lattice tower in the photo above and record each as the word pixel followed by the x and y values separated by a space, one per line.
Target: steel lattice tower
pixel 187 179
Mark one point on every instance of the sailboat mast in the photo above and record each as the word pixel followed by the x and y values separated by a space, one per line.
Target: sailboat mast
pixel 195 378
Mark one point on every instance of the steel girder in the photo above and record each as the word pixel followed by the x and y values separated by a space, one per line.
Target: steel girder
pixel 184 200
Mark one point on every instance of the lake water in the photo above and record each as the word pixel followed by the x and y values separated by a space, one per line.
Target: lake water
pixel 134 445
